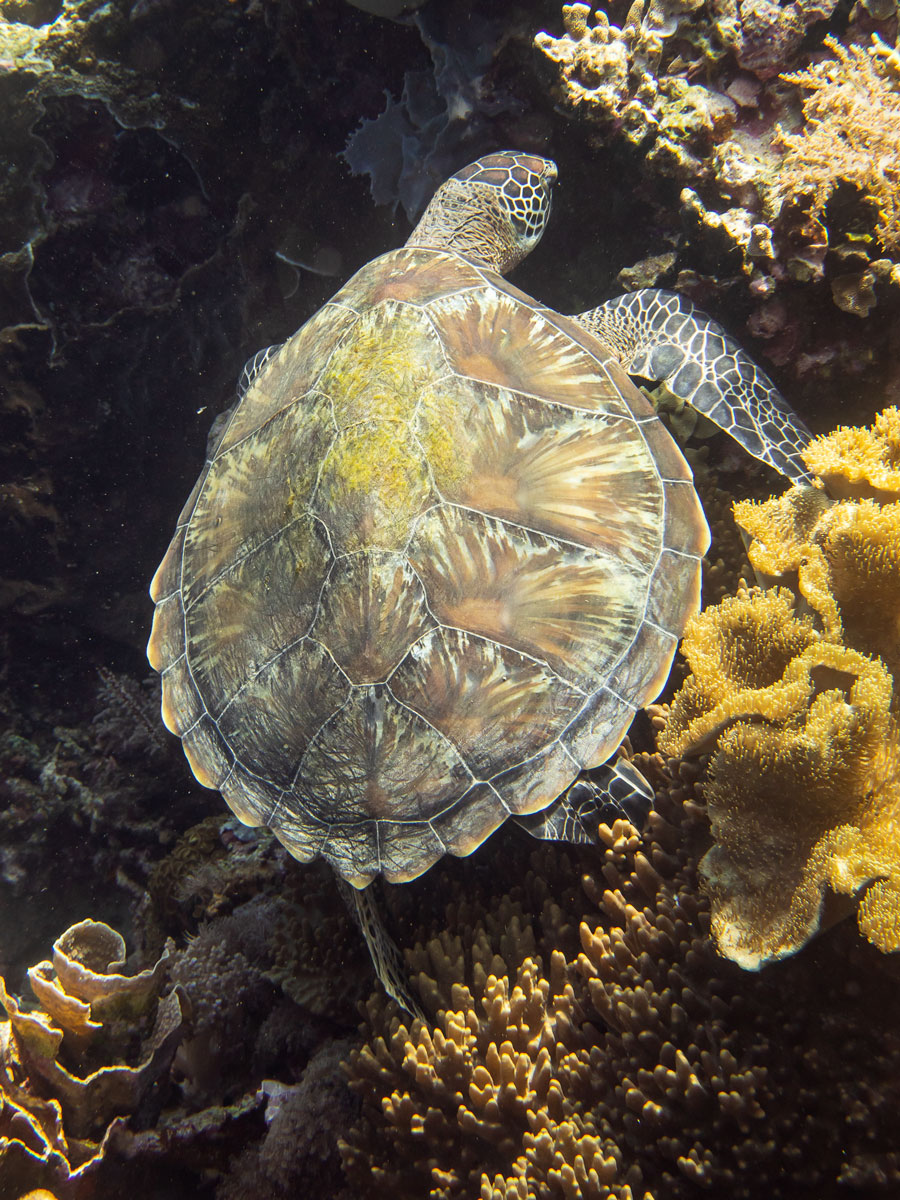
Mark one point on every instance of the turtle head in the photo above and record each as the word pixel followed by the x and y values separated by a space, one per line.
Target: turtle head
pixel 493 211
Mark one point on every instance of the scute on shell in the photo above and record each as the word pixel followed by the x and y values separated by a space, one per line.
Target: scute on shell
pixel 442 553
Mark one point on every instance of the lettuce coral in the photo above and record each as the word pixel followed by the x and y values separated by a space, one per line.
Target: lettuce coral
pixel 93 1052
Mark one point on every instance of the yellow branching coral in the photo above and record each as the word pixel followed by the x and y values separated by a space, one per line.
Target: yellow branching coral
pixel 516 1092
pixel 803 783
pixel 852 134
pixel 631 1063
pixel 858 464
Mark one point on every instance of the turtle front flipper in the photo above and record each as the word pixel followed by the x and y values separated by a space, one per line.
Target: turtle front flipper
pixel 661 335
pixel 612 791
pixel 385 954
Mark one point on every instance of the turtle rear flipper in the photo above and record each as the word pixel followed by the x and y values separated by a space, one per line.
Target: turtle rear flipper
pixel 384 951
pixel 662 335
pixel 612 791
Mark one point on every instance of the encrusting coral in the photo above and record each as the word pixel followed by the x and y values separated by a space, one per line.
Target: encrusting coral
pixel 638 1066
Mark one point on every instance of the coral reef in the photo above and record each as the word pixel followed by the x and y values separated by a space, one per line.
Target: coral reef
pixel 844 560
pixel 94 1051
pixel 610 72
pixel 637 1065
pixel 792 692
pixel 612 77
pixel 851 135
pixel 758 178
pixel 803 788
pixel 858 463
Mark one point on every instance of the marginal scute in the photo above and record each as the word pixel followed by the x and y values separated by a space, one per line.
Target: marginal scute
pixel 530 786
pixel 168 574
pixel 166 633
pixel 181 705
pixel 685 524
pixel 595 732
pixel 206 753
pixel 674 590
pixel 471 821
pixel 645 664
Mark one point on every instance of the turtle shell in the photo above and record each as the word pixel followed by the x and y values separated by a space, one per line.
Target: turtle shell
pixel 441 554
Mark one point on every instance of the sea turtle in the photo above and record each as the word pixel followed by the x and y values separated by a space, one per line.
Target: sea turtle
pixel 443 549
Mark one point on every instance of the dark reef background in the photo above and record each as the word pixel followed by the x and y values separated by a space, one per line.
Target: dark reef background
pixel 176 194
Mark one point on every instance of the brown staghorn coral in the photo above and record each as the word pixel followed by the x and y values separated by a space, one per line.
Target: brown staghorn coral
pixel 851 135
pixel 804 781
pixel 641 1067
pixel 66 1073
pixel 857 464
